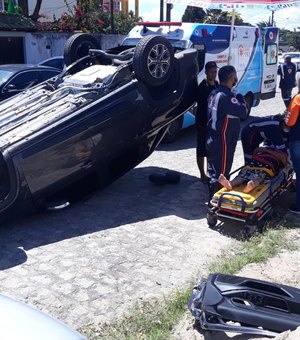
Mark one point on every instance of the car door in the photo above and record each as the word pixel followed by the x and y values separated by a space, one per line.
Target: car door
pixel 19 83
pixel 70 150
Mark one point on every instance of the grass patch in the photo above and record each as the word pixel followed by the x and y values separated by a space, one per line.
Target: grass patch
pixel 257 249
pixel 149 320
pixel 155 319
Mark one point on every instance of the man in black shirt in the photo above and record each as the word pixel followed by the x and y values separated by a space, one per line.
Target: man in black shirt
pixel 204 90
pixel 287 72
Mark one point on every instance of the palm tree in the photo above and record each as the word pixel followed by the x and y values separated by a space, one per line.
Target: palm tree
pixel 217 16
pixel 264 24
pixel 193 14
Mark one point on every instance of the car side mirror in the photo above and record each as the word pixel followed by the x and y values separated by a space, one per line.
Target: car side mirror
pixel 9 87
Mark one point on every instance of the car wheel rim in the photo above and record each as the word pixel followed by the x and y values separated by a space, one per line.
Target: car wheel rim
pixel 159 61
pixel 83 49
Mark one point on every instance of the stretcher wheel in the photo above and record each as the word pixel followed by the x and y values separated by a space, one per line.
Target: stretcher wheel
pixel 211 219
pixel 249 230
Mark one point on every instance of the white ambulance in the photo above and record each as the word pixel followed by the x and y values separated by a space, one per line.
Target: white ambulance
pixel 253 52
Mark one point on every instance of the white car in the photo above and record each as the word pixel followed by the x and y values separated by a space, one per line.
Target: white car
pixel 21 321
pixel 295 58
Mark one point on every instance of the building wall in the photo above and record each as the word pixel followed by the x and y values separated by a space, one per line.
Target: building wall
pixel 44 45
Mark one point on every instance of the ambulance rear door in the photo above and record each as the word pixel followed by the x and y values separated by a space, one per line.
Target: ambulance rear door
pixel 270 61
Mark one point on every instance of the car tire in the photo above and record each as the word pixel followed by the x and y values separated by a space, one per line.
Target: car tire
pixel 173 130
pixel 78 46
pixel 153 60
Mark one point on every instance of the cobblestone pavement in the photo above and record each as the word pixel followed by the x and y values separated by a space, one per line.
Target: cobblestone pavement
pixel 131 241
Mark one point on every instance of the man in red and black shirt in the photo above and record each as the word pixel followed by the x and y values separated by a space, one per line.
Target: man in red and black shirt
pixel 225 110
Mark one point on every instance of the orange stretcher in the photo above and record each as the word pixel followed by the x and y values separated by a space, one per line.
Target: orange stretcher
pixel 252 209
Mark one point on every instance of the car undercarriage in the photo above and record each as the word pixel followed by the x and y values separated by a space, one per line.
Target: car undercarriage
pixel 101 117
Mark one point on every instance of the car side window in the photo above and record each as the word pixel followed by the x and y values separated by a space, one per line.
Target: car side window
pixel 44 75
pixel 57 63
pixel 24 80
pixel 271 54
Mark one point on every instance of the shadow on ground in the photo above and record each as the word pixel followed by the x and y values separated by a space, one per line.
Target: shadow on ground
pixel 132 198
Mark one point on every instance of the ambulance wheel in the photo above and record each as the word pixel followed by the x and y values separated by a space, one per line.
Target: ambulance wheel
pixel 78 46
pixel 153 60
pixel 211 220
pixel 249 102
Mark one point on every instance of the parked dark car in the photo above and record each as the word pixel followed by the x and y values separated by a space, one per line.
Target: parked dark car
pixel 92 123
pixel 15 78
pixel 56 62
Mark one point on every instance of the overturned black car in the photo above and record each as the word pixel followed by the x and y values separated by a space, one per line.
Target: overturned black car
pixel 102 116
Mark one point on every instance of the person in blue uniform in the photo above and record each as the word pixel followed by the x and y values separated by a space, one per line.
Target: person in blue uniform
pixel 204 89
pixel 268 130
pixel 225 110
pixel 287 72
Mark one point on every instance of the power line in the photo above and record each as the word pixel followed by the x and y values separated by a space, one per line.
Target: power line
pixel 48 10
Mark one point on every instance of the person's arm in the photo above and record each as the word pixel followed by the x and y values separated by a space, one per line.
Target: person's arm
pixel 279 70
pixel 293 111
pixel 236 106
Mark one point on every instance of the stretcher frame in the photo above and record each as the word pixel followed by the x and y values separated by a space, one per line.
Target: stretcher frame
pixel 251 210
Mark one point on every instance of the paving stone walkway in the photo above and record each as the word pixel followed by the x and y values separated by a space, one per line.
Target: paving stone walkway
pixel 131 241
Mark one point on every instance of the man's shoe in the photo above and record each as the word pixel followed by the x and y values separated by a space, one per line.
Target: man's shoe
pixel 293 209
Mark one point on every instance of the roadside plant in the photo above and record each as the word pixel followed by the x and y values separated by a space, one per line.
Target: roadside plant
pixel 89 16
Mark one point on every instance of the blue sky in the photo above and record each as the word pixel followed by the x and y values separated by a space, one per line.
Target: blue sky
pixel 288 18
pixel 149 10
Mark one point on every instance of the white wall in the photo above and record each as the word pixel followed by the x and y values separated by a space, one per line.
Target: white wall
pixel 43 45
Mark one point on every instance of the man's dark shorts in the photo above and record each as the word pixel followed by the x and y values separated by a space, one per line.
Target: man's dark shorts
pixel 201 140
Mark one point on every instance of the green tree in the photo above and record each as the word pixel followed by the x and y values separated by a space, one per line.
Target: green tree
pixel 210 16
pixel 193 14
pixel 291 38
pixel 262 24
pixel 217 16
pixel 124 23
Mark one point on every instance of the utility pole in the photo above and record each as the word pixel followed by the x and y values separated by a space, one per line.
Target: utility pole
pixel 161 16
pixel 272 19
pixel 168 14
pixel 136 8
pixel 112 25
